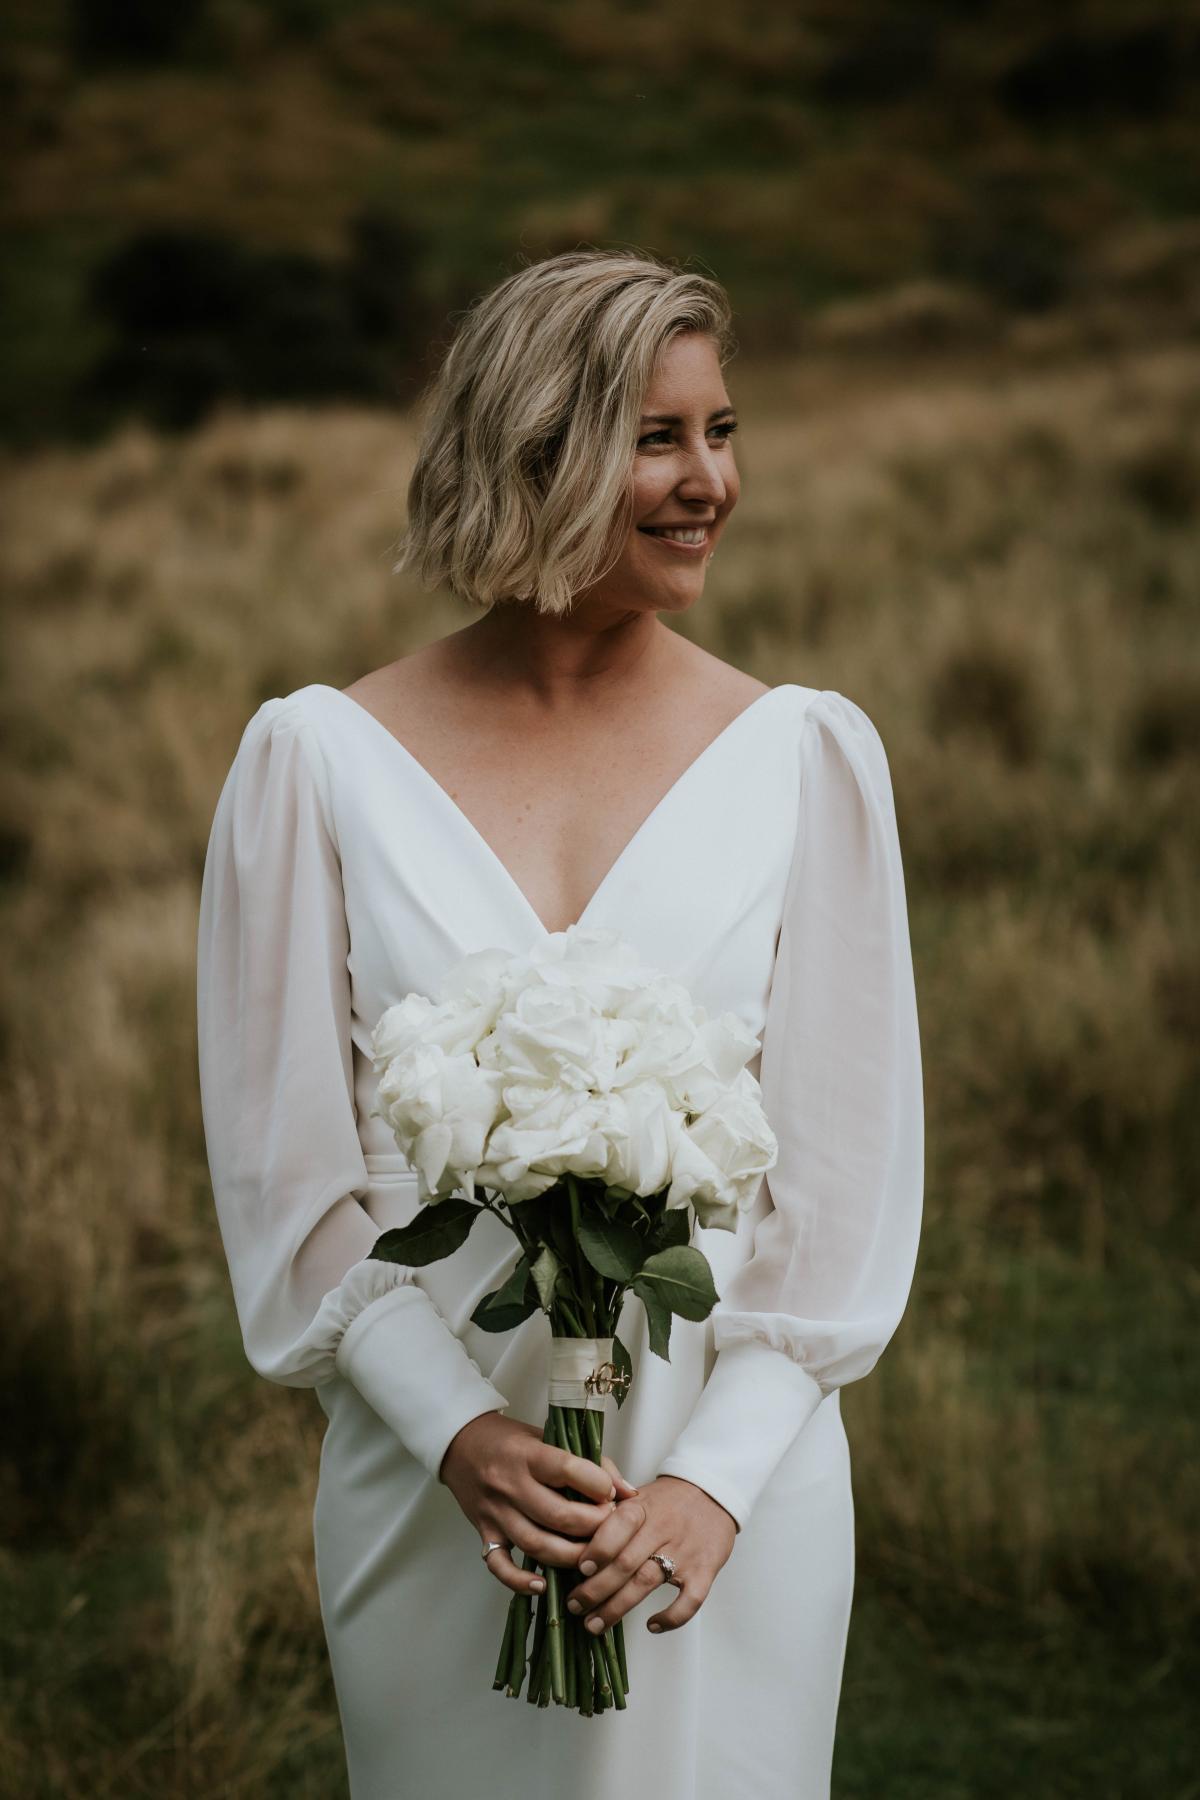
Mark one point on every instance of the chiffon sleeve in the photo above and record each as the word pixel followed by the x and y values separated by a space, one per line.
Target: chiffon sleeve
pixel 277 1100
pixel 832 1262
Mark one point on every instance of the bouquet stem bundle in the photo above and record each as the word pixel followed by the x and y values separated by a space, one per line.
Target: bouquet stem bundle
pixel 566 1663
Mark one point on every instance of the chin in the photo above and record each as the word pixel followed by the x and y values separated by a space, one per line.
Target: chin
pixel 677 602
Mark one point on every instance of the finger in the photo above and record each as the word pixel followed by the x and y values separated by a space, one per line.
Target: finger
pixel 561 1468
pixel 605 1581
pixel 522 1581
pixel 633 1590
pixel 625 1489
pixel 685 1606
pixel 626 1518
pixel 542 1546
pixel 571 1518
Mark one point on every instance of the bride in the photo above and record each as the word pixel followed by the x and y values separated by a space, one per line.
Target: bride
pixel 567 761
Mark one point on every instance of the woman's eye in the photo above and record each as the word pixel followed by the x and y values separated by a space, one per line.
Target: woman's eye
pixel 722 431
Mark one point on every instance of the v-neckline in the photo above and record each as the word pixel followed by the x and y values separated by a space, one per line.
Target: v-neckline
pixel 622 856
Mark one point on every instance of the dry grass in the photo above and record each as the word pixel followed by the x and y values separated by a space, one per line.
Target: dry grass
pixel 999 562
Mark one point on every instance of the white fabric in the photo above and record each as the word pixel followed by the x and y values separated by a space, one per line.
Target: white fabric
pixel 339 876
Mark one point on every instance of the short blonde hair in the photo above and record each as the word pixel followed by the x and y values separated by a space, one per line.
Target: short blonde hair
pixel 523 483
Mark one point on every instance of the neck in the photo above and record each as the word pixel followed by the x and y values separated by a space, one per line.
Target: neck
pixel 560 660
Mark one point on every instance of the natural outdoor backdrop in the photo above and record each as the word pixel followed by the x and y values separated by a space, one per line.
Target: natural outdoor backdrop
pixel 963 244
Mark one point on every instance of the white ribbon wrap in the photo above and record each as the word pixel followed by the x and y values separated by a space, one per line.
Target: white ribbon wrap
pixel 572 1360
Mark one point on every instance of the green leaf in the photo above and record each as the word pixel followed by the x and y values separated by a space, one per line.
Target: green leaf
pixel 545 1275
pixel 623 1364
pixel 682 1278
pixel 512 1292
pixel 493 1314
pixel 612 1248
pixel 658 1317
pixel 674 1227
pixel 439 1229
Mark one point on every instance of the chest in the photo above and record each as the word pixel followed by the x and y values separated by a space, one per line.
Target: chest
pixel 557 818
pixel 693 874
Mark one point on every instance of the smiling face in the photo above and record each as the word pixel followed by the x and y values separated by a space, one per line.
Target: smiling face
pixel 685 483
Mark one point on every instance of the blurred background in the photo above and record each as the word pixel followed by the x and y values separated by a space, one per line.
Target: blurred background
pixel 963 247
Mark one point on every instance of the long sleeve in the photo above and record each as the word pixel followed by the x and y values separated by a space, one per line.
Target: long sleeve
pixel 832 1262
pixel 277 1098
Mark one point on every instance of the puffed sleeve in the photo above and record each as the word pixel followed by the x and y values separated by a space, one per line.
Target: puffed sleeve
pixel 277 1098
pixel 832 1262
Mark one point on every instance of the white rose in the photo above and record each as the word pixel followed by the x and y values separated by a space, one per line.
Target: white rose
pixel 554 1034
pixel 441 1109
pixel 642 1132
pixel 400 1027
pixel 595 961
pixel 722 1156
pixel 480 976
pixel 711 1064
pixel 664 1024
pixel 554 1130
pixel 455 1026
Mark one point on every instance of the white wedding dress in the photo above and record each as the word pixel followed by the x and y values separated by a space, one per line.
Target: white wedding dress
pixel 768 879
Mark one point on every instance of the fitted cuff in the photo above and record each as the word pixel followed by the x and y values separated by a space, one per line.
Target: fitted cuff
pixel 408 1365
pixel 750 1411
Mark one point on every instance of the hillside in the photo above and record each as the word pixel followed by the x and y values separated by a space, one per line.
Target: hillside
pixel 286 198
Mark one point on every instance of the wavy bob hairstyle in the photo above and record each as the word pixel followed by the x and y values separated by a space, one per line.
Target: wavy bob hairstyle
pixel 523 484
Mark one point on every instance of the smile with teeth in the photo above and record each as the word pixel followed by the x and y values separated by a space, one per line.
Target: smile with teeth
pixel 691 537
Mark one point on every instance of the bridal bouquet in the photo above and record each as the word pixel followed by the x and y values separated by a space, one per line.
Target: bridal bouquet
pixel 584 1100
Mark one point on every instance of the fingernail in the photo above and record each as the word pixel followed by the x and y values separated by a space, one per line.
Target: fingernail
pixel 587 1568
pixel 612 1493
pixel 574 1606
pixel 654 1625
pixel 595 1626
pixel 538 1586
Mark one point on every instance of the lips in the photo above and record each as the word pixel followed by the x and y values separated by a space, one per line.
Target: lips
pixel 679 546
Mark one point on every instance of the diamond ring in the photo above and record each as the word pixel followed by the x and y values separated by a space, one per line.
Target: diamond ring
pixel 666 1564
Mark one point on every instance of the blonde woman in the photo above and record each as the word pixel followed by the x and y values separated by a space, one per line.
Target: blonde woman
pixel 566 758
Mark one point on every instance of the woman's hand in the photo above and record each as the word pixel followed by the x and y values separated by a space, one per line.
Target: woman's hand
pixel 670 1515
pixel 505 1479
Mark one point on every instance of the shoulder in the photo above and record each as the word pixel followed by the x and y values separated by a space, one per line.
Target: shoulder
pixel 396 688
pixel 712 682
pixel 841 718
pixel 284 743
pixel 843 757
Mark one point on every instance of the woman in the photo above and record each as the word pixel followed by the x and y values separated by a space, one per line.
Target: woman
pixel 567 759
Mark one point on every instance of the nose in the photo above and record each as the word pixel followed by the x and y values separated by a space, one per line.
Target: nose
pixel 702 479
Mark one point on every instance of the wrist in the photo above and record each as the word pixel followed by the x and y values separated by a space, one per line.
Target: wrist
pixel 460 1443
pixel 711 1498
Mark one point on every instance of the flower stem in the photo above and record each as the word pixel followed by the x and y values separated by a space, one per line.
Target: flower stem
pixel 619 1639
pixel 537 1667
pixel 614 1668
pixel 583 1273
pixel 503 1667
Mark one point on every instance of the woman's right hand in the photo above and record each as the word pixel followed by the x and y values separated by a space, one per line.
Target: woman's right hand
pixel 505 1478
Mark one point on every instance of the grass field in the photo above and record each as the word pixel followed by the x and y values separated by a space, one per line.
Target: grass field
pixel 997 554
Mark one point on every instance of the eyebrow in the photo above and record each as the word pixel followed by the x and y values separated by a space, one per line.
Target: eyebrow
pixel 674 418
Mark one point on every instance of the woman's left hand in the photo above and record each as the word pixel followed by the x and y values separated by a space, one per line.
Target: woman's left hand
pixel 671 1515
